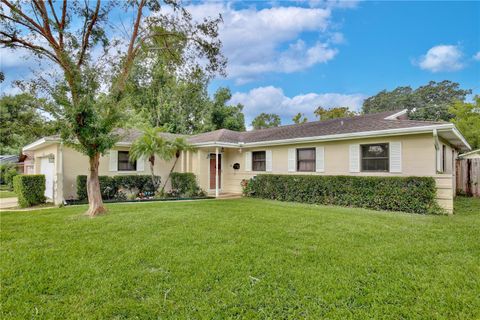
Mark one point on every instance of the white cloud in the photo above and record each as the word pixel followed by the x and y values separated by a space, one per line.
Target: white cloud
pixel 273 100
pixel 477 56
pixel 442 58
pixel 258 41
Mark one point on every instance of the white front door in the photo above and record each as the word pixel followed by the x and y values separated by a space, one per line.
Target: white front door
pixel 48 169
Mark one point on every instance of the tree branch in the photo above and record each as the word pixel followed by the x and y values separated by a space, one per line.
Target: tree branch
pixel 88 33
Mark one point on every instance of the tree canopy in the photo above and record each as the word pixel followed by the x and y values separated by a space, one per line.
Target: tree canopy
pixel 467 120
pixel 224 116
pixel 299 118
pixel 428 102
pixel 23 122
pixel 333 113
pixel 81 41
pixel 266 120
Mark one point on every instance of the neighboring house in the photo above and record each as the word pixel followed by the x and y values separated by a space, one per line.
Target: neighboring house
pixel 383 144
pixel 20 162
pixel 474 154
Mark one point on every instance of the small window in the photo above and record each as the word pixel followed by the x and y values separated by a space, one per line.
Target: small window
pixel 124 163
pixel 375 157
pixel 306 159
pixel 258 161
pixel 444 158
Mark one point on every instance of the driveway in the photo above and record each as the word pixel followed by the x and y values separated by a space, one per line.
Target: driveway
pixel 7 203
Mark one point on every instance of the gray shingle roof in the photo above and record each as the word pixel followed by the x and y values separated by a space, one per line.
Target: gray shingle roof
pixel 364 123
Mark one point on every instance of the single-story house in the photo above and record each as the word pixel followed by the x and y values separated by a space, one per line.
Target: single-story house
pixel 382 144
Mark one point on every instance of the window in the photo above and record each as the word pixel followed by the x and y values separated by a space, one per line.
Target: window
pixel 444 158
pixel 124 163
pixel 375 157
pixel 258 161
pixel 306 159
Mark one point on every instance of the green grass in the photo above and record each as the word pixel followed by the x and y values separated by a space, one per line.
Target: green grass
pixel 7 194
pixel 244 258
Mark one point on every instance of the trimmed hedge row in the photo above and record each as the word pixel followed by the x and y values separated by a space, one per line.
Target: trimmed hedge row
pixel 30 189
pixel 408 194
pixel 109 186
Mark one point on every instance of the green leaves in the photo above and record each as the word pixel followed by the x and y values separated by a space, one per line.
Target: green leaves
pixel 30 189
pixel 408 194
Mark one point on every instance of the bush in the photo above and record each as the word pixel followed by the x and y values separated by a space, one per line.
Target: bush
pixel 408 194
pixel 109 186
pixel 8 176
pixel 185 185
pixel 30 189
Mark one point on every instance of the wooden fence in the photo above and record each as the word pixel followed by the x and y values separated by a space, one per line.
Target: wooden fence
pixel 468 177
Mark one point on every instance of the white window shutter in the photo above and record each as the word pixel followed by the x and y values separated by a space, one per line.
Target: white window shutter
pixel 320 159
pixel 354 158
pixel 141 164
pixel 268 160
pixel 113 160
pixel 248 161
pixel 395 157
pixel 291 159
pixel 439 158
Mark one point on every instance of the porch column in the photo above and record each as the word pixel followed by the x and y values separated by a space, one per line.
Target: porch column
pixel 188 161
pixel 182 162
pixel 216 172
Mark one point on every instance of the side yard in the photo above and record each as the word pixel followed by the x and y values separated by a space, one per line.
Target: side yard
pixel 243 258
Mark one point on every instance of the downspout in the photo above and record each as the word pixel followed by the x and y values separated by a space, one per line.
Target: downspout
pixel 437 150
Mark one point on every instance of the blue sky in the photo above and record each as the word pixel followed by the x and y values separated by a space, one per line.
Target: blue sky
pixel 289 57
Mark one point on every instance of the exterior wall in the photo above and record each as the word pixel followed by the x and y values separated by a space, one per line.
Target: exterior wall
pixel 418 159
pixel 75 164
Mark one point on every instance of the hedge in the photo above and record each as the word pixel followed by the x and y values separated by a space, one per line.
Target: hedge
pixel 30 189
pixel 109 186
pixel 408 194
pixel 185 185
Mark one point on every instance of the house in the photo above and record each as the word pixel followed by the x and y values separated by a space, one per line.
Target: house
pixel 383 144
pixel 474 154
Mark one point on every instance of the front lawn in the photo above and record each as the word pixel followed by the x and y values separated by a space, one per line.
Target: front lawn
pixel 244 258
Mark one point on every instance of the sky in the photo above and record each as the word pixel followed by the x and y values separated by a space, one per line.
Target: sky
pixel 290 57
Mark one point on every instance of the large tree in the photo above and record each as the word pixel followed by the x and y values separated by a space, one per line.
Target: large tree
pixel 224 116
pixel 266 120
pixel 22 122
pixel 428 102
pixel 467 120
pixel 75 38
pixel 333 113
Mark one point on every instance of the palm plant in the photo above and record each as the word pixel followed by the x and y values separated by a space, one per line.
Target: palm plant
pixel 149 144
pixel 176 147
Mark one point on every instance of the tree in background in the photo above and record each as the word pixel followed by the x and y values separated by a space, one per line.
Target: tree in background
pixel 266 120
pixel 467 120
pixel 22 122
pixel 299 118
pixel 428 102
pixel 333 113
pixel 74 38
pixel 225 116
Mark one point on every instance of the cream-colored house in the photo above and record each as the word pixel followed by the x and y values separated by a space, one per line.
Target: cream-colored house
pixel 383 144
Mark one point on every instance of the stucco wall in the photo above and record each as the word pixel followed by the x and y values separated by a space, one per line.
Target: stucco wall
pixel 75 164
pixel 418 159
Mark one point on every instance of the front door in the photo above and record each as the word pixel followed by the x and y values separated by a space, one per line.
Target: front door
pixel 47 167
pixel 212 171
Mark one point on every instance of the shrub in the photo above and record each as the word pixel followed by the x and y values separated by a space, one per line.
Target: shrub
pixel 9 174
pixel 30 189
pixel 408 194
pixel 109 186
pixel 185 185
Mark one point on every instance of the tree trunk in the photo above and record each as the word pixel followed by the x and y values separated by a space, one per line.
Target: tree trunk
pixel 95 202
pixel 151 160
pixel 168 177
